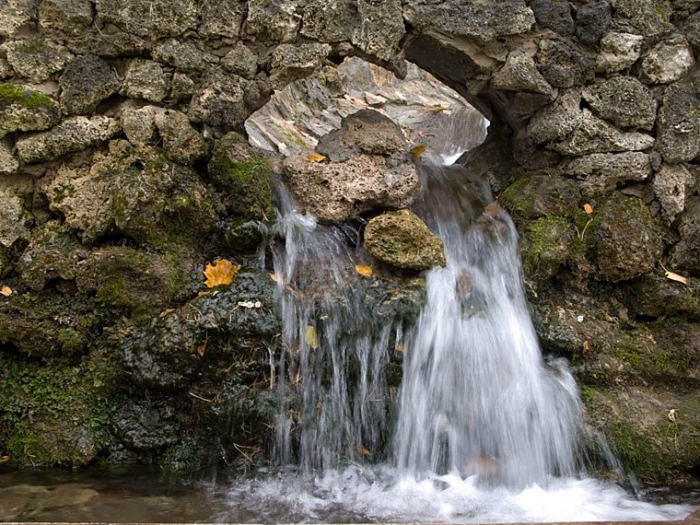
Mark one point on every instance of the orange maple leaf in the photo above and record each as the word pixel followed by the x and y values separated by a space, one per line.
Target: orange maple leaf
pixel 221 273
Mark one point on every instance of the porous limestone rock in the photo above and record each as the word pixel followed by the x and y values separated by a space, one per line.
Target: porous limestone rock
pixel 139 124
pixel 36 59
pixel 686 254
pixel 273 22
pixel 667 62
pixel 241 61
pixel 618 51
pixel 558 120
pixel 145 79
pixel 401 239
pixel 183 55
pixel 554 15
pixel 678 129
pixel 8 163
pixel 671 184
pixel 600 173
pixel 221 18
pixel 624 101
pixel 109 45
pixel 519 73
pixel 15 14
pixel 290 62
pixel 650 18
pixel 219 100
pixel 25 109
pixel 330 21
pixel 592 21
pixel 379 29
pixel 181 142
pixel 691 29
pixel 563 65
pixel 85 83
pixel 12 217
pixel 69 16
pixel 72 134
pixel 149 18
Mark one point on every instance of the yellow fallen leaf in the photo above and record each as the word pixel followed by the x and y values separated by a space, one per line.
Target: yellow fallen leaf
pixel 166 312
pixel 316 157
pixel 418 150
pixel 221 273
pixel 4 459
pixel 437 108
pixel 364 271
pixel 365 452
pixel 588 208
pixel 399 347
pixel 274 277
pixel 311 337
pixel 6 291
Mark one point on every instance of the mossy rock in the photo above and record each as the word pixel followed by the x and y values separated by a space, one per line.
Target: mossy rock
pixel 534 195
pixel 546 245
pixel 242 175
pixel 21 96
pixel 54 412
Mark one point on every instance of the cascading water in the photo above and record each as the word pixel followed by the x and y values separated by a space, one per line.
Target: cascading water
pixel 486 429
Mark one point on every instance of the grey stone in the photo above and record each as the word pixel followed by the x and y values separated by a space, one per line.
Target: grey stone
pixel 273 22
pixel 480 21
pixel 241 61
pixel 182 87
pixel 691 29
pixel 618 51
pixel 36 59
pixel 594 135
pixel 667 62
pixel 558 120
pixel 15 14
pixel 149 18
pixel 340 191
pixel 70 16
pixel 686 254
pixel 554 15
pixel 671 185
pixel 519 73
pixel 290 62
pixel 402 239
pixel 146 426
pixel 650 18
pixel 562 65
pixel 12 217
pixel 601 173
pixel 219 100
pixel 73 134
pixel 139 124
pixel 366 131
pixel 109 45
pixel 5 69
pixel 24 109
pixel 221 18
pixel 380 30
pixel 145 79
pixel 185 56
pixel 85 83
pixel 678 129
pixel 8 162
pixel 592 21
pixel 333 21
pixel 624 101
pixel 181 142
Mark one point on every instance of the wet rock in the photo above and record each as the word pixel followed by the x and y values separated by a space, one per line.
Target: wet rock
pixel 595 135
pixel 654 296
pixel 149 18
pixel 181 142
pixel 183 55
pixel 678 134
pixel 145 79
pixel 558 120
pixel 36 59
pixel 241 61
pixel 618 51
pixel 667 61
pixel 221 18
pixel 13 218
pixel 535 196
pixel 243 176
pixel 519 73
pixel 401 239
pixel 554 15
pixel 625 241
pixel 73 134
pixel 8 162
pixel 147 425
pixel 109 45
pixel 601 173
pixel 17 13
pixel 291 62
pixel 381 29
pixel 482 22
pixel 85 83
pixel 546 245
pixel 24 109
pixel 366 131
pixel 671 185
pixel 273 22
pixel 69 16
pixel 686 254
pixel 562 65
pixel 592 21
pixel 219 100
pixel 624 101
pixel 651 18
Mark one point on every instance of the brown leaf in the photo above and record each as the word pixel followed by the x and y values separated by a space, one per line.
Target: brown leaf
pixel 6 291
pixel 399 347
pixel 222 273
pixel 364 271
pixel 675 277
pixel 201 348
pixel 418 150
pixel 365 452
pixel 588 208
pixel 316 157
pixel 166 312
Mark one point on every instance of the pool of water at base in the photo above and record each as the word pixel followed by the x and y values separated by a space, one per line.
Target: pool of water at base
pixel 352 495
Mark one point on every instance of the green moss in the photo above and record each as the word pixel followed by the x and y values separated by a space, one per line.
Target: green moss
pixel 638 453
pixel 32 46
pixel 14 94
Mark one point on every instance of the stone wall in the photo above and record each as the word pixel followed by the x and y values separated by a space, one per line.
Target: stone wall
pixel 122 174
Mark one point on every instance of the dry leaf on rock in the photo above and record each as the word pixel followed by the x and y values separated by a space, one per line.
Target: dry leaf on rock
pixel 316 157
pixel 222 273
pixel 311 337
pixel 364 271
pixel 6 291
